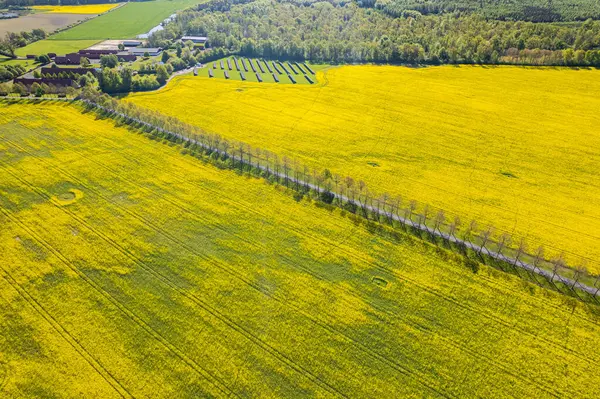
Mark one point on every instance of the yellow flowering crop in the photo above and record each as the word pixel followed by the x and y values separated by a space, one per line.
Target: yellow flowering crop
pixel 82 9
pixel 128 269
pixel 508 146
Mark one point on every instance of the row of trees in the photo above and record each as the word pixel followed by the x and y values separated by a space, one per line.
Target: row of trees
pixel 354 196
pixel 37 89
pixel 334 32
pixel 9 72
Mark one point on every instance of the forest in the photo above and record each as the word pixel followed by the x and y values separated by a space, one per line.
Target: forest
pixel 523 10
pixel 338 32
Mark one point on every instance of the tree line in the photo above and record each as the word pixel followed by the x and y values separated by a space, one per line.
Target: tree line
pixel 13 40
pixel 336 32
pixel 480 243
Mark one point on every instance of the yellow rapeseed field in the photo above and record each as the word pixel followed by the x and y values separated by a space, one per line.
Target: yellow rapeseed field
pixel 82 9
pixel 508 146
pixel 128 269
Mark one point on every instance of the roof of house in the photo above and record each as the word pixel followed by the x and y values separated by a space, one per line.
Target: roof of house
pixel 144 50
pixel 195 38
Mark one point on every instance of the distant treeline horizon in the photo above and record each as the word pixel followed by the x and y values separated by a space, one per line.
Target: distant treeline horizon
pixel 339 32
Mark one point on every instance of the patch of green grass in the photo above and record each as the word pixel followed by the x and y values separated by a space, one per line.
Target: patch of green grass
pixel 10 61
pixel 127 21
pixel 59 47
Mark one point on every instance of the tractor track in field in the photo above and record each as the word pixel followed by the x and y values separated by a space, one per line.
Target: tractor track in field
pixel 124 309
pixel 452 343
pixel 359 345
pixel 475 311
pixel 199 302
pixel 498 320
pixel 60 329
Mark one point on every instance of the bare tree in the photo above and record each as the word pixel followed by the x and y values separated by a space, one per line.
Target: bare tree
pixel 469 231
pixel 521 249
pixel 317 180
pixel 538 257
pixel 557 264
pixel 412 205
pixel 249 152
pixel 580 271
pixel 440 217
pixel 277 165
pixel 454 226
pixel 286 169
pixel 485 238
pixel 306 172
pixel 503 242
pixel 387 208
pixel 349 183
pixel 257 156
pixel 425 216
pixel 297 172
pixel 241 150
pixel 336 181
pixel 225 148
pixel 267 155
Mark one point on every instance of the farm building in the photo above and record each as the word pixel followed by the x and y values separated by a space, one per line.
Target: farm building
pixel 126 57
pixel 69 59
pixel 140 51
pixel 131 43
pixel 195 39
pixel 69 71
pixel 90 52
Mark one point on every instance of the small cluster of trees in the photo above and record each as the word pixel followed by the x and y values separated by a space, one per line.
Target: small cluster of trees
pixel 14 40
pixel 150 75
pixel 353 196
pixel 9 72
pixel 123 80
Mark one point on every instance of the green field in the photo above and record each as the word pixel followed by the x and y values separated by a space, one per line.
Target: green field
pixel 59 47
pixel 126 22
pixel 131 270
pixel 250 75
